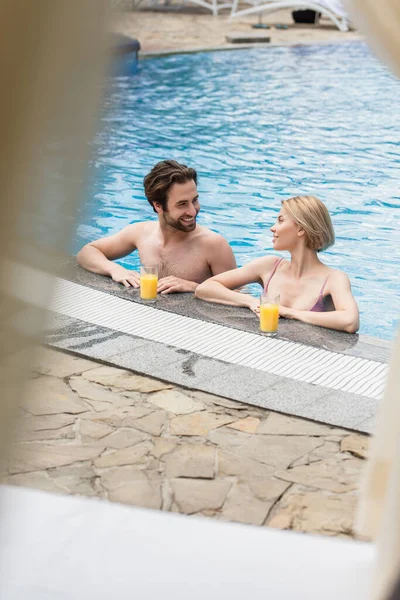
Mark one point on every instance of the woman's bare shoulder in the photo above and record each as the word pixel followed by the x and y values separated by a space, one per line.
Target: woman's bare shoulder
pixel 337 278
pixel 267 263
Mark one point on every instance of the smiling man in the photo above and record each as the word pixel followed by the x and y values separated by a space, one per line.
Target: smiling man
pixel 186 253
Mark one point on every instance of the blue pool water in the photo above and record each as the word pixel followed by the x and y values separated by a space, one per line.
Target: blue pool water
pixel 262 125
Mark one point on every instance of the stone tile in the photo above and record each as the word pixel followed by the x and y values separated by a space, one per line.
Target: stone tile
pixel 341 409
pixel 45 423
pixel 195 495
pixel 238 466
pixel 333 475
pixel 37 456
pixel 328 450
pixel 124 380
pixel 211 400
pixel 276 451
pixel 47 395
pixel 197 424
pixel 243 507
pixel 267 488
pixel 62 433
pixel 144 493
pixel 59 364
pixel 191 460
pixel 150 358
pixel 91 340
pixel 289 396
pixel 175 402
pixel 90 430
pixel 117 417
pixel 123 438
pixel 368 425
pixel 247 425
pixel 239 383
pixel 99 397
pixel 125 456
pixel 163 446
pixel 38 480
pixel 277 424
pixel 115 477
pixel 153 423
pixel 313 512
pixel 356 444
pixel 195 371
pixel 79 478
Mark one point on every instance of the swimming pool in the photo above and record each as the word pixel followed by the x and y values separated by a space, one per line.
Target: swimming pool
pixel 260 125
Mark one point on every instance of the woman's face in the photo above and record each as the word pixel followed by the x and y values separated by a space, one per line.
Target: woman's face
pixel 286 233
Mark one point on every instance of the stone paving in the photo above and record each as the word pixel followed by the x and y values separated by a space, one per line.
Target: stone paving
pixel 95 430
pixel 191 29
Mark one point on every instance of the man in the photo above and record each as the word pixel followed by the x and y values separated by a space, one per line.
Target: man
pixel 186 253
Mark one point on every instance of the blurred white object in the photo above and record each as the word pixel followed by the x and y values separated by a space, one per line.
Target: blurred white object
pixel 333 9
pixel 379 506
pixel 56 546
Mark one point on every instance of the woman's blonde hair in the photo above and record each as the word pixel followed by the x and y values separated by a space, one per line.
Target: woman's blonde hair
pixel 312 216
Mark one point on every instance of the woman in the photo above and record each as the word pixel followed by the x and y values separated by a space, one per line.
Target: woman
pixel 309 290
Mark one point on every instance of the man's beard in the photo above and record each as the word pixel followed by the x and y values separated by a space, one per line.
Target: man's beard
pixel 179 224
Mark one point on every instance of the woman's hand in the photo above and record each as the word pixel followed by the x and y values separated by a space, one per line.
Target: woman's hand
pixel 287 313
pixel 254 305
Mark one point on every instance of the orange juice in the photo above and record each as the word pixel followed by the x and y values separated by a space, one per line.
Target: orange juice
pixel 269 315
pixel 148 286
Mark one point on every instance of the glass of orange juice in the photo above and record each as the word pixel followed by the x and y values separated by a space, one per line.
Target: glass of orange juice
pixel 269 314
pixel 148 282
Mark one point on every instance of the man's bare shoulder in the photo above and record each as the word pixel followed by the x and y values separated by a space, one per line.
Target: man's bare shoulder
pixel 208 237
pixel 137 229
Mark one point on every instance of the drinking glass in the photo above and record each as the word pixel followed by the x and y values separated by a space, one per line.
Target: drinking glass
pixel 269 313
pixel 148 282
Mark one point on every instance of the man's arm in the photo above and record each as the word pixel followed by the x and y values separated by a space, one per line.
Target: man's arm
pixel 97 256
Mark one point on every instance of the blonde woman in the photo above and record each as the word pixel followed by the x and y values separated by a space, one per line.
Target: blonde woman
pixel 309 290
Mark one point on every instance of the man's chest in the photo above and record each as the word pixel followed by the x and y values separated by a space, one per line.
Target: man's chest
pixel 186 261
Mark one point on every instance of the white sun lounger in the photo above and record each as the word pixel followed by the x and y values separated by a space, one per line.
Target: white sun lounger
pixel 332 9
pixel 212 5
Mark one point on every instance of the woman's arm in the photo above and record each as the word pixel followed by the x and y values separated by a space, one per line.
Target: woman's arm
pixel 220 288
pixel 345 317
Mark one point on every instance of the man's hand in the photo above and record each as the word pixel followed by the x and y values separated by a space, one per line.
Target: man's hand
pixel 128 278
pixel 171 285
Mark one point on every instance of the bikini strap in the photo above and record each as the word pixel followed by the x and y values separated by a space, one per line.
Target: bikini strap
pixel 323 287
pixel 277 263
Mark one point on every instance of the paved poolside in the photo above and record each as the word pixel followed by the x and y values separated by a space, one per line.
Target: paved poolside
pixel 192 29
pixel 89 429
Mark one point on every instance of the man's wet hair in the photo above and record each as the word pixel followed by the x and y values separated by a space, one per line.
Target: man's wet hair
pixel 162 177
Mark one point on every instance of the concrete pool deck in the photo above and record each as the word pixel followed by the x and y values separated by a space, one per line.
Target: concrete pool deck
pixel 306 371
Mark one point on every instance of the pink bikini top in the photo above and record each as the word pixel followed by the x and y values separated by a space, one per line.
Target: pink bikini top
pixel 318 306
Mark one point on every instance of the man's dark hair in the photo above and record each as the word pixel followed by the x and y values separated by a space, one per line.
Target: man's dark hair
pixel 162 176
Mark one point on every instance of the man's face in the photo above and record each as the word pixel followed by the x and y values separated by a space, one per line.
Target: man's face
pixel 182 206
